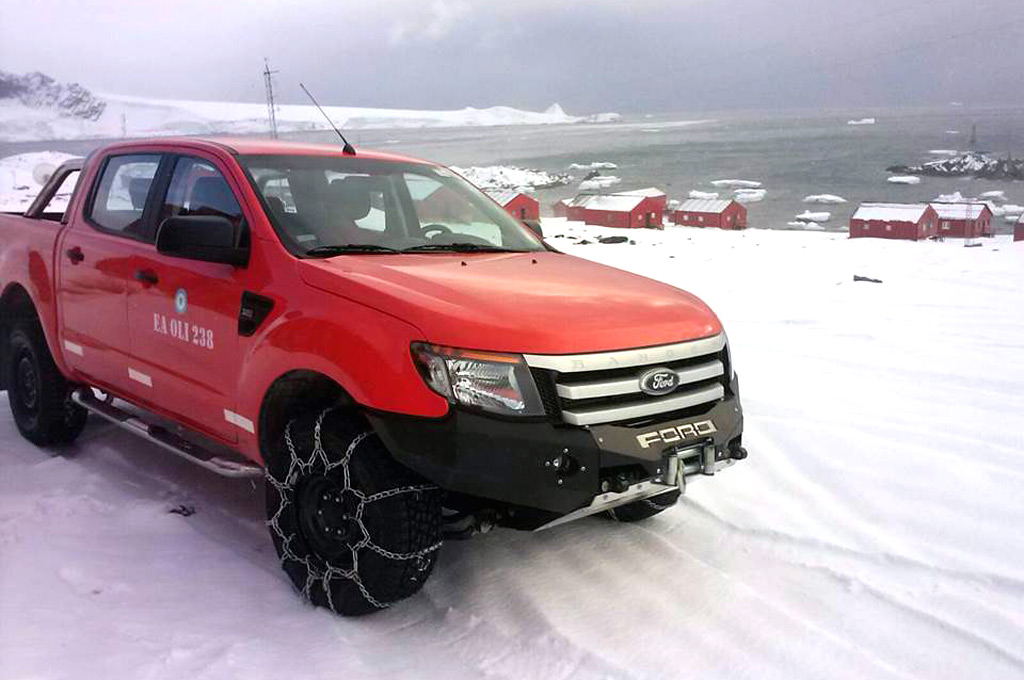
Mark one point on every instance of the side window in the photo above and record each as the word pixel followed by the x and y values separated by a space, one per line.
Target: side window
pixel 122 191
pixel 198 188
pixel 58 203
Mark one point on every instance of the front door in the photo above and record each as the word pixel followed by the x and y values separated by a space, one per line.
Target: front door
pixel 96 271
pixel 184 316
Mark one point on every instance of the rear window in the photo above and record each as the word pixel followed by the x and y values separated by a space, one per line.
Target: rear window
pixel 122 192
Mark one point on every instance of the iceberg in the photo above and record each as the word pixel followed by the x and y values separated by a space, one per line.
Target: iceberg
pixel 824 198
pixel 808 216
pixel 734 183
pixel 704 195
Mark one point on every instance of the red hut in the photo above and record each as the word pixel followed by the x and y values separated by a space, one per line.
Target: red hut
pixel 650 192
pixel 703 212
pixel 561 208
pixel 908 221
pixel 963 220
pixel 518 204
pixel 616 210
pixel 1018 229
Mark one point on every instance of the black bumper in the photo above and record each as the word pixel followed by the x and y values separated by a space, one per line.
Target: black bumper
pixel 548 466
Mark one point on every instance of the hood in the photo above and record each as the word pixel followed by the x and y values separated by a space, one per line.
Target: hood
pixel 534 303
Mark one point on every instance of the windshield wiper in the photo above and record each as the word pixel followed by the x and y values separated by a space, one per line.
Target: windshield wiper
pixel 343 248
pixel 459 248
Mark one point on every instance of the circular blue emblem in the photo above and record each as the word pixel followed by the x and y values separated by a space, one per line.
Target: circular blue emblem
pixel 181 301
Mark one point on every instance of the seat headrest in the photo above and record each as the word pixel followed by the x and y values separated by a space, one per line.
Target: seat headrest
pixel 275 204
pixel 351 196
pixel 138 189
pixel 212 196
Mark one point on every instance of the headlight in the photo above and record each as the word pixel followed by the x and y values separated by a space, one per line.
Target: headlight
pixel 498 383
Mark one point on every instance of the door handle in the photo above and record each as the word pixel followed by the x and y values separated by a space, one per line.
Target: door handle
pixel 147 277
pixel 75 255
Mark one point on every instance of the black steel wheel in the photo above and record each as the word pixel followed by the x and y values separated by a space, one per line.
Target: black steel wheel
pixel 355 530
pixel 643 509
pixel 39 396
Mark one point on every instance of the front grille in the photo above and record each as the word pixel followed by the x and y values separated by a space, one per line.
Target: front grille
pixel 590 389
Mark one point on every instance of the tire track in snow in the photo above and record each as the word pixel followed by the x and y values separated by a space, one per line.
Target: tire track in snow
pixel 932 618
pixel 878 558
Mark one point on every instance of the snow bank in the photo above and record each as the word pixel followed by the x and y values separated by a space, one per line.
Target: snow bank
pixel 808 216
pixel 862 121
pixel 23 176
pixel 706 195
pixel 825 199
pixel 594 165
pixel 944 152
pixel 510 177
pixel 599 182
pixel 904 179
pixel 749 195
pixel 855 542
pixel 139 117
pixel 734 183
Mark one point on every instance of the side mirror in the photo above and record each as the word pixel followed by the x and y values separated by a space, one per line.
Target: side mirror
pixel 534 226
pixel 203 238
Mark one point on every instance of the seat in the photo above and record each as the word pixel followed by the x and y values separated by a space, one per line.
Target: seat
pixel 350 200
pixel 138 190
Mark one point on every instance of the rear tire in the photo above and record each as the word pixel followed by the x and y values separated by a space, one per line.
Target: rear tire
pixel 646 508
pixel 355 530
pixel 39 396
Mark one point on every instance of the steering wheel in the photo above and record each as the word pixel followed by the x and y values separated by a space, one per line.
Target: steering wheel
pixel 431 228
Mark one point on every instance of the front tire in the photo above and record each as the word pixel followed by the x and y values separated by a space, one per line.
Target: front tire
pixel 646 508
pixel 39 396
pixel 355 530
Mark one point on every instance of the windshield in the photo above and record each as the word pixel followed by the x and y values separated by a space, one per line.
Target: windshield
pixel 329 205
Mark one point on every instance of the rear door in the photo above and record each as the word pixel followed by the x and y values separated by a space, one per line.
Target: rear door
pixel 183 319
pixel 97 269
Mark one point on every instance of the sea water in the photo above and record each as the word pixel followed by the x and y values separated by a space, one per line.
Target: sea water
pixel 793 154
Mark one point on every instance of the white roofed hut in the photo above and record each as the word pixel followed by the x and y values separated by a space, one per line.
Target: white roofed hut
pixel 907 221
pixel 711 212
pixel 624 210
pixel 963 220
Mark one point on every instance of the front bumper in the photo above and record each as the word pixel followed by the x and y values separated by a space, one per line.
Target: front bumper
pixel 563 469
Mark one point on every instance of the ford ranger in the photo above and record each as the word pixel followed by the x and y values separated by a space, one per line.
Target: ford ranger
pixel 398 358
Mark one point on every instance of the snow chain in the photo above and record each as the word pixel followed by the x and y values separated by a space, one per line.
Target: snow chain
pixel 298 467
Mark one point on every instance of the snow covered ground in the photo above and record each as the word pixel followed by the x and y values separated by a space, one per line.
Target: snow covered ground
pixel 874 532
pixel 23 176
pixel 140 117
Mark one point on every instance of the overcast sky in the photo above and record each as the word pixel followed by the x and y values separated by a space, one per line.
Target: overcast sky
pixel 593 55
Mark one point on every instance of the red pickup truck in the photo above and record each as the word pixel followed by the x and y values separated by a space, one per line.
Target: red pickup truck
pixel 397 357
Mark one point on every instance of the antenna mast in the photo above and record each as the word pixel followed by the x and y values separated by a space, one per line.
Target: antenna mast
pixel 268 81
pixel 348 148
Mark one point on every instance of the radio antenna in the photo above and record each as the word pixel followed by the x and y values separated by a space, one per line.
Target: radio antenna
pixel 348 148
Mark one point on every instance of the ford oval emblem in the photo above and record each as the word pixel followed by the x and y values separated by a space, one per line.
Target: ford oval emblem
pixel 659 381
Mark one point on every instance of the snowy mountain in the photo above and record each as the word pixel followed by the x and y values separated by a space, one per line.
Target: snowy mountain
pixel 35 107
pixel 40 91
pixel 970 164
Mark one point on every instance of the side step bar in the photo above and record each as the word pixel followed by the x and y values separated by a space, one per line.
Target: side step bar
pixel 166 439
